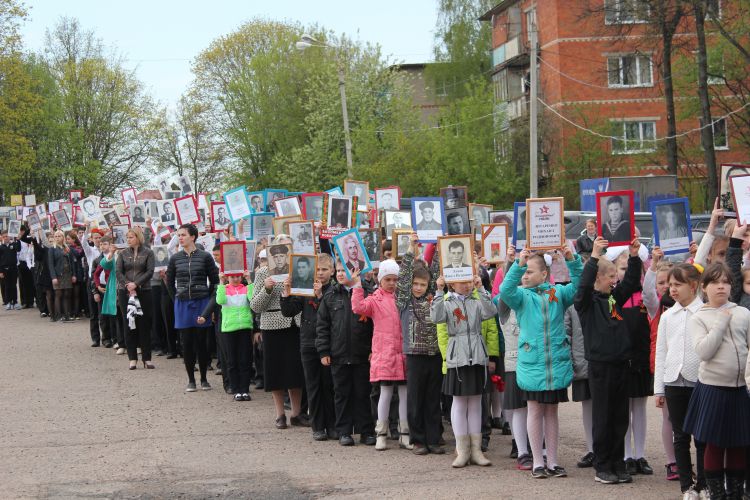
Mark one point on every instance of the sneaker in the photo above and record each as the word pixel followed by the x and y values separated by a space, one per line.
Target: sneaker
pixel 116 346
pixel 672 474
pixel 691 494
pixel 557 471
pixel 623 476
pixel 108 345
pixel 43 315
pixel 643 467
pixel 605 477
pixel 18 307
pixel 631 466
pixel 246 397
pixel 346 440
pixel 68 319
pixel 190 387
pixel 8 307
pixel 121 351
pixel 205 385
pixel 539 473
pixel 367 439
pixel 420 449
pixel 586 461
pixel 524 462
pixel 238 397
pixel 320 436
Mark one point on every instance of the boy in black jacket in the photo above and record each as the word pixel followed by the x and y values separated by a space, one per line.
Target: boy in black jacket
pixel 9 270
pixel 344 342
pixel 607 349
pixel 318 380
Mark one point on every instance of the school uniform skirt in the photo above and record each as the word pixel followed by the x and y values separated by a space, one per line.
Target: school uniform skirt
pixel 466 381
pixel 512 399
pixel 282 362
pixel 640 382
pixel 719 415
pixel 546 397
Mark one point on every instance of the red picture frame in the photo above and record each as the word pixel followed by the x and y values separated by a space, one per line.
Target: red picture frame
pixel 226 254
pixel 180 220
pixel 124 200
pixel 77 191
pixel 303 203
pixel 215 204
pixel 616 235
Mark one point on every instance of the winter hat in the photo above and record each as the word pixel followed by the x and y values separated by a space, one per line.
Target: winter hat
pixel 387 268
pixel 262 254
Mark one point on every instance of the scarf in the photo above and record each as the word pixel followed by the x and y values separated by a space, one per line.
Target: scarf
pixel 134 309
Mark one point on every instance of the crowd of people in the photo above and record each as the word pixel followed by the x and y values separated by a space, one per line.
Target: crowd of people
pixel 398 351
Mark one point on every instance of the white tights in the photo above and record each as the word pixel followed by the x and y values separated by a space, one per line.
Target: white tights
pixel 635 438
pixel 497 403
pixel 384 403
pixel 466 415
pixel 517 421
pixel 544 428
pixel 588 426
pixel 666 435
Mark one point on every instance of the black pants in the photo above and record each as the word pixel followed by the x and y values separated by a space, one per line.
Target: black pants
pixel 141 335
pixel 610 406
pixel 423 380
pixel 41 299
pixel 167 317
pixel 193 342
pixel 94 322
pixel 677 404
pixel 26 284
pixel 222 357
pixel 108 325
pixel 236 347
pixel 319 386
pixel 10 292
pixel 351 388
pixel 158 334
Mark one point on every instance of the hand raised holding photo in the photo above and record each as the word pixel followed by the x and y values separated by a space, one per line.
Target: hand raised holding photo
pixel 511 253
pixel 600 246
pixel 440 283
pixel 524 257
pixel 657 254
pixel 634 246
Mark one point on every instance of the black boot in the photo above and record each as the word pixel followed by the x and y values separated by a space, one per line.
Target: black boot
pixel 735 484
pixel 715 484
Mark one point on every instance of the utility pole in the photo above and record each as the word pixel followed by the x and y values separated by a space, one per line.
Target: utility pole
pixel 345 114
pixel 533 143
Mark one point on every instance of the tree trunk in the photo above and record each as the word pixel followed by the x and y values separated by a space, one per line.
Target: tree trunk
pixel 707 133
pixel 668 27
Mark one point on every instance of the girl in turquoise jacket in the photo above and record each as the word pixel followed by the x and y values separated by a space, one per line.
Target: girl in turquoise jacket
pixel 544 368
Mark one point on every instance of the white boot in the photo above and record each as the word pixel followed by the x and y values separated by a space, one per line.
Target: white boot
pixel 463 451
pixel 381 429
pixel 477 457
pixel 404 441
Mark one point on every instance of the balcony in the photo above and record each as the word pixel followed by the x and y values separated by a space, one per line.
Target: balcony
pixel 511 53
pixel 517 108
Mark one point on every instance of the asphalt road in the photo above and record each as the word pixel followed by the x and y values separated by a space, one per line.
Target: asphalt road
pixel 76 423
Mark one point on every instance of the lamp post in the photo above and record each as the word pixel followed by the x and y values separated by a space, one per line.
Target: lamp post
pixel 308 41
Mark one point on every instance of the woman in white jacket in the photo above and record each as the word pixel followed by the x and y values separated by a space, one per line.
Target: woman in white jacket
pixel 719 410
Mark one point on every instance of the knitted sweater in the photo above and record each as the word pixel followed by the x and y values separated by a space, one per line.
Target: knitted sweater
pixel 235 312
pixel 418 330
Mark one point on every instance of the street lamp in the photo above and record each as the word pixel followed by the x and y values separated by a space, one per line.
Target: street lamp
pixel 308 41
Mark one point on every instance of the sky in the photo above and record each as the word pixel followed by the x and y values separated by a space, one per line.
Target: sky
pixel 160 38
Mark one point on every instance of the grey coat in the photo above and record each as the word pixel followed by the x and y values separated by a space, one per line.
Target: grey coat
pixel 465 343
pixel 511 331
pixel 577 352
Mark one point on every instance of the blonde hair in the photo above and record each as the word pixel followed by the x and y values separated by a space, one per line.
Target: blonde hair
pixel 605 265
pixel 138 233
pixel 664 266
pixel 54 239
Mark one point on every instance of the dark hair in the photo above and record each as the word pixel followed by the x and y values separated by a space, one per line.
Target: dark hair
pixel 685 273
pixel 714 272
pixel 216 248
pixel 614 199
pixel 421 272
pixel 191 229
pixel 387 246
pixel 306 260
pixel 453 215
pixel 456 244
pixel 106 239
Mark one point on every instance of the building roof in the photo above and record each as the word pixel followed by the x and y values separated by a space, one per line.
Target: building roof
pixel 487 16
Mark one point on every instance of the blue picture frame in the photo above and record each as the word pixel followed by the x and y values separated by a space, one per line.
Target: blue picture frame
pixel 346 235
pixel 269 200
pixel 519 244
pixel 234 217
pixel 674 240
pixel 335 191
pixel 262 194
pixel 428 235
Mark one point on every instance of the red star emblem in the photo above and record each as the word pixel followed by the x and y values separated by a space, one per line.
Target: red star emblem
pixel 544 209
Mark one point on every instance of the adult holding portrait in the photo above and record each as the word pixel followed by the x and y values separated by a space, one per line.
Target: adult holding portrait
pixel 617 227
pixel 192 277
pixel 428 223
pixel 282 363
pixel 134 269
pixel 351 251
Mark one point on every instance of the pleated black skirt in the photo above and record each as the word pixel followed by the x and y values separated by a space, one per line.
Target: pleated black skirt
pixel 719 415
pixel 640 382
pixel 546 397
pixel 512 399
pixel 466 381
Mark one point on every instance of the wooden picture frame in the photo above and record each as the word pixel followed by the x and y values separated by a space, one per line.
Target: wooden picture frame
pixel 543 215
pixel 397 242
pixel 302 233
pixel 280 224
pixel 624 232
pixel 495 242
pixel 458 193
pixel 485 212
pixel 456 258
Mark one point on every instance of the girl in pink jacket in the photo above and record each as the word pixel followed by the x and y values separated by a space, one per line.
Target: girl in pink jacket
pixel 388 363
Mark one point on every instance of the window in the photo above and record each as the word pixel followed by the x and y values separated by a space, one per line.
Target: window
pixel 721 140
pixel 500 80
pixel 625 11
pixel 442 86
pixel 633 137
pixel 631 70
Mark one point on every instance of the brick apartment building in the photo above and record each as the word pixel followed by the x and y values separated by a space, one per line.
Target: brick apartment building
pixel 603 78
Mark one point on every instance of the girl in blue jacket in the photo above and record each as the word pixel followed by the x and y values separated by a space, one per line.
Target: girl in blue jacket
pixel 544 369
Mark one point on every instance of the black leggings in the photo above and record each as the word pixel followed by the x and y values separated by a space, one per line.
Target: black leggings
pixel 193 341
pixel 62 302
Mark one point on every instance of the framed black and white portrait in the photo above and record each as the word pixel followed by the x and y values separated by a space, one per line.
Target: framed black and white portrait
pixel 278 262
pixel 360 189
pixel 303 237
pixel 457 221
pixel 219 219
pixel 261 225
pixel 428 218
pixel 672 229
pixel 119 235
pixel 185 187
pixel 371 242
pixel 454 196
pixel 303 269
pixel 350 249
pixel 161 257
pixel 456 258
pixel 388 198
pixel 396 219
pixel 339 213
pixel 312 206
pixel 138 214
pixel 615 216
pixel 233 257
pixel 287 206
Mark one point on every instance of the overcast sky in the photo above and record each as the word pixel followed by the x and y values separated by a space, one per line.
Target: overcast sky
pixel 160 37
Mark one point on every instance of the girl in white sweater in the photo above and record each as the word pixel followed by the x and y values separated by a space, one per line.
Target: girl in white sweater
pixel 676 371
pixel 719 410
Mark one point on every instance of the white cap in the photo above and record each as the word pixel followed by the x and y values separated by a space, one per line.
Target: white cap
pixel 387 268
pixel 262 254
pixel 614 252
